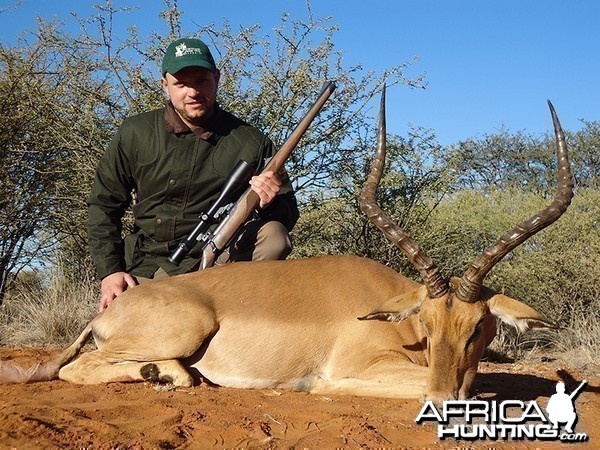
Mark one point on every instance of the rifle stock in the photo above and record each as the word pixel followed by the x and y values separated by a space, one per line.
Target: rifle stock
pixel 249 201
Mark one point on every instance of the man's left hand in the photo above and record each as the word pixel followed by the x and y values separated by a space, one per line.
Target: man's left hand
pixel 266 185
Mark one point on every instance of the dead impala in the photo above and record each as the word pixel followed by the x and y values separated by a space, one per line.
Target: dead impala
pixel 334 324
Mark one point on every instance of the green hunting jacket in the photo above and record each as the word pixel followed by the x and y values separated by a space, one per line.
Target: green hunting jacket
pixel 176 174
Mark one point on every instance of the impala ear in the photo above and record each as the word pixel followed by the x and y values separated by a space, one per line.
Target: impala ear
pixel 399 308
pixel 517 314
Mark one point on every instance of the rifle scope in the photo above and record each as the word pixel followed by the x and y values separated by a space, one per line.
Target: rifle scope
pixel 236 180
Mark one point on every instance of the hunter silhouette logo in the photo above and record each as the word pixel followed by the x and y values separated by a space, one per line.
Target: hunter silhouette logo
pixel 561 408
pixel 508 419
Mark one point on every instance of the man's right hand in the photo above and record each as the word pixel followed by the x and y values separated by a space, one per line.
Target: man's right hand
pixel 113 285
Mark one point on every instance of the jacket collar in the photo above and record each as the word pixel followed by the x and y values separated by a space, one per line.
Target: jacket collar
pixel 177 126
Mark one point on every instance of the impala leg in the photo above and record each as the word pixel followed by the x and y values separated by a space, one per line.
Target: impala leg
pixel 391 379
pixel 95 368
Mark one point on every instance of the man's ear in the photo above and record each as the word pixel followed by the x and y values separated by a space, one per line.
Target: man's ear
pixel 165 84
pixel 399 308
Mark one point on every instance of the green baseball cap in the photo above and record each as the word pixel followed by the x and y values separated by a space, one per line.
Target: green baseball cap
pixel 187 52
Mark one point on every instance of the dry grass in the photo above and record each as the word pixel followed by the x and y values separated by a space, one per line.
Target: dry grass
pixel 579 342
pixel 575 344
pixel 47 313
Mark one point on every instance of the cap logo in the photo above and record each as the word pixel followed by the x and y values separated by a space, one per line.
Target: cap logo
pixel 182 50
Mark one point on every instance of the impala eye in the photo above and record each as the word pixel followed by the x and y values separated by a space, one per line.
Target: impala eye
pixel 476 332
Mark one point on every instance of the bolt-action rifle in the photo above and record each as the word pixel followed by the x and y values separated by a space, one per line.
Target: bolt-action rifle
pixel 239 212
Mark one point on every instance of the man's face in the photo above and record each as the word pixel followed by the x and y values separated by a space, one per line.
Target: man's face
pixel 193 92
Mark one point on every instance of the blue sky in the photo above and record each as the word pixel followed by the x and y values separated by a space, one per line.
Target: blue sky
pixel 489 63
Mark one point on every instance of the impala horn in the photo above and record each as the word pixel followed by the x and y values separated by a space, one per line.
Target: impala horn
pixel 472 280
pixel 437 286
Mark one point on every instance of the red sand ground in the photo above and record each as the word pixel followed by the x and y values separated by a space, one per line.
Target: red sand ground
pixel 57 414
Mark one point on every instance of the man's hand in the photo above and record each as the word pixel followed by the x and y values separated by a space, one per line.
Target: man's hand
pixel 113 285
pixel 266 185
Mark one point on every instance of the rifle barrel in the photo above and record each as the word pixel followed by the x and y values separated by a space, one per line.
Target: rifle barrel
pixel 250 200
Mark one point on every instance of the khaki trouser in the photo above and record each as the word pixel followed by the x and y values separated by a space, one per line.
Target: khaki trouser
pixel 257 241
